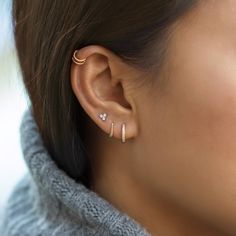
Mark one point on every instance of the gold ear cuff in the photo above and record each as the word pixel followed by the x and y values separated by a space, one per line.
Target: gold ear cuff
pixel 76 60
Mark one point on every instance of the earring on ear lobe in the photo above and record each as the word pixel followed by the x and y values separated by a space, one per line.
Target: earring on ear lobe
pixel 76 60
pixel 103 116
pixel 112 130
pixel 123 133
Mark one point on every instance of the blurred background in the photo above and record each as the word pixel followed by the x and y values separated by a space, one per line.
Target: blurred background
pixel 13 102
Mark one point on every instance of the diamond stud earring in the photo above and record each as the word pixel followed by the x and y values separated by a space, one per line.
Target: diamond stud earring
pixel 103 116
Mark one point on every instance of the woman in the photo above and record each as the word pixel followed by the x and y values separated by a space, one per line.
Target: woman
pixel 131 128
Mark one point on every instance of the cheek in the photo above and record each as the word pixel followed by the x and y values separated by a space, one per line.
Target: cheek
pixel 202 100
pixel 192 137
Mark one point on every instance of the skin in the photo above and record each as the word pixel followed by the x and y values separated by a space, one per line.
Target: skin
pixel 176 173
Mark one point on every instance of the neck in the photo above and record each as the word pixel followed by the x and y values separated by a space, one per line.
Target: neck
pixel 112 180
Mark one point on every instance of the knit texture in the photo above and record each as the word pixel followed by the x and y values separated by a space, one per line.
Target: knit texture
pixel 46 201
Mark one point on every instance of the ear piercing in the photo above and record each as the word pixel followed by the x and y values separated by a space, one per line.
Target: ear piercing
pixel 123 133
pixel 111 130
pixel 123 139
pixel 103 117
pixel 76 60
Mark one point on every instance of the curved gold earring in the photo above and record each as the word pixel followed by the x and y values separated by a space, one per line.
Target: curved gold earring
pixel 111 130
pixel 77 60
pixel 123 133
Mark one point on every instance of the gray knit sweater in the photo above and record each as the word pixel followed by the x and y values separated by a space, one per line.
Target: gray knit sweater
pixel 46 201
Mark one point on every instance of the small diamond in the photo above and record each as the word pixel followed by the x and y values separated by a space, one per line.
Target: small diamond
pixel 103 116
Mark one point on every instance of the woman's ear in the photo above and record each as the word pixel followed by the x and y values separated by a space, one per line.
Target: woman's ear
pixel 102 85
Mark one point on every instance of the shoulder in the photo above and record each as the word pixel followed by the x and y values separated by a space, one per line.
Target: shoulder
pixel 17 204
pixel 29 212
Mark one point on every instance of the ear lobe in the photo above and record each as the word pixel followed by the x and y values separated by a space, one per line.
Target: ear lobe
pixel 99 92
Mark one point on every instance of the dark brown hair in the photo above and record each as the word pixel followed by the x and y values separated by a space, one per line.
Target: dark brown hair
pixel 46 35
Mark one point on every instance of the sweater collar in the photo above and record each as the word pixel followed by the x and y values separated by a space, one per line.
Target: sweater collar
pixel 54 183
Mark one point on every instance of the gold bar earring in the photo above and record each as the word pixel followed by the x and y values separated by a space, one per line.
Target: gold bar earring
pixel 112 130
pixel 123 133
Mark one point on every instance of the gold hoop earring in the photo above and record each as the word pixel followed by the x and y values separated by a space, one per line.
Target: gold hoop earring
pixel 77 60
pixel 123 133
pixel 111 130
